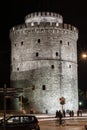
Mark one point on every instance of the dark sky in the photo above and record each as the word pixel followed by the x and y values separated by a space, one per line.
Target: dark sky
pixel 12 12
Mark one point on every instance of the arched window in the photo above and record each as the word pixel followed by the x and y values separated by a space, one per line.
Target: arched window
pixel 52 66
pixel 56 53
pixel 21 43
pixel 37 54
pixel 61 41
pixel 44 87
pixel 38 40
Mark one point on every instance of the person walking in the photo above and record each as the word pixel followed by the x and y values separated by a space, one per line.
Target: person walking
pixel 72 113
pixel 60 117
pixel 64 113
pixel 57 113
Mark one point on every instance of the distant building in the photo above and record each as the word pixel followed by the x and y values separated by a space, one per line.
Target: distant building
pixel 44 61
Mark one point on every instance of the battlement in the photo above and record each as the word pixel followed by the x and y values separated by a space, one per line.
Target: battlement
pixel 39 14
pixel 43 24
pixel 43 16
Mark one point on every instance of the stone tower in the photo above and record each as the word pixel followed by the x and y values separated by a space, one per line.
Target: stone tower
pixel 44 61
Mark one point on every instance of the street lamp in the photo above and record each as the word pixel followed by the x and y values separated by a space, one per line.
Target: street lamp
pixel 84 56
pixel 80 103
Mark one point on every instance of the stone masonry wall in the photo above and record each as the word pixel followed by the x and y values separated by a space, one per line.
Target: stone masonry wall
pixel 44 57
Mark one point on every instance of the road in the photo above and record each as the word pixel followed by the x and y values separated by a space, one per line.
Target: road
pixel 68 125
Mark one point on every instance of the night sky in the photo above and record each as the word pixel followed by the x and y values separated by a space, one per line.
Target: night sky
pixel 12 12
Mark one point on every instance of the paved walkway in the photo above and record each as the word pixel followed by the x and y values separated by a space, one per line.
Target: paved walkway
pixel 71 123
pixel 52 125
pixel 52 117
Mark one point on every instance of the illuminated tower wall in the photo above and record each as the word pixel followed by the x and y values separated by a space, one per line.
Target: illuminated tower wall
pixel 44 61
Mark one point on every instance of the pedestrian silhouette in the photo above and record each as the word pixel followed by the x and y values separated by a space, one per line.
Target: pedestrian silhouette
pixel 60 117
pixel 57 113
pixel 64 114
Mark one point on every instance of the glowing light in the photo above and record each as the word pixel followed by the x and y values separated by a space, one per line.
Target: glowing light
pixel 80 103
pixel 84 55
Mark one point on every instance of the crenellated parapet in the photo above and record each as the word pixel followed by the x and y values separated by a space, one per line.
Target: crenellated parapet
pixel 44 20
pixel 44 25
pixel 43 14
pixel 43 17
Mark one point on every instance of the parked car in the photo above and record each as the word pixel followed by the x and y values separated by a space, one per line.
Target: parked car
pixel 20 122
